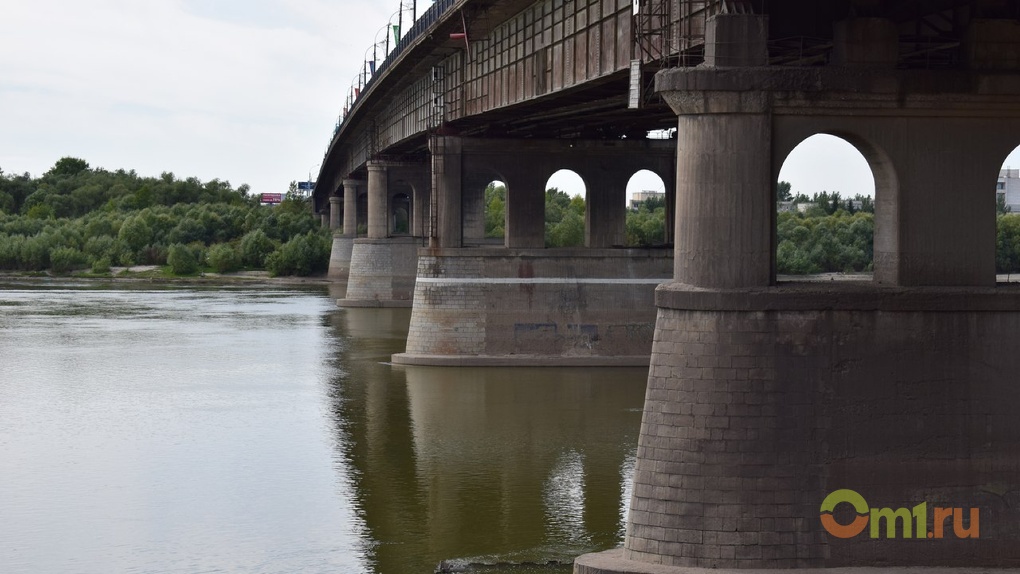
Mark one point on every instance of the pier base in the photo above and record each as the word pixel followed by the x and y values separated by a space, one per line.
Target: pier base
pixel 382 273
pixel 763 401
pixel 534 307
pixel 340 258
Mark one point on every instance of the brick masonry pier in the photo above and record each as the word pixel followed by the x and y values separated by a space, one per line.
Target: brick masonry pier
pixel 761 402
pixel 531 307
pixel 340 258
pixel 382 273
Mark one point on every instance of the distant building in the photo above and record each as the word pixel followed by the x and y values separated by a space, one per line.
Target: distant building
pixel 782 206
pixel 637 198
pixel 1009 187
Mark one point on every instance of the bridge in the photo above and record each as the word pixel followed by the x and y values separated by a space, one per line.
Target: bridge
pixel 764 397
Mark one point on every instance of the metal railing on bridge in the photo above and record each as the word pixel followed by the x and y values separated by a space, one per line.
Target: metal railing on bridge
pixel 428 19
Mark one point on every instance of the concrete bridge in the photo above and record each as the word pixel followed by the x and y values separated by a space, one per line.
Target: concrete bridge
pixel 534 88
pixel 763 397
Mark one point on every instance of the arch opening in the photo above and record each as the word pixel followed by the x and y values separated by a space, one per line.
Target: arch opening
pixel 400 214
pixel 565 208
pixel 1007 219
pixel 495 211
pixel 646 210
pixel 362 215
pixel 825 210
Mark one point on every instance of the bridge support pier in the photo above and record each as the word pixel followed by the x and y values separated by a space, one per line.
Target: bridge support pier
pixel 765 398
pixel 534 307
pixel 343 243
pixel 383 265
pixel 522 304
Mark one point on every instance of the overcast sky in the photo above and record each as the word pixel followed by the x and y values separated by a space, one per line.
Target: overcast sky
pixel 242 91
pixel 247 91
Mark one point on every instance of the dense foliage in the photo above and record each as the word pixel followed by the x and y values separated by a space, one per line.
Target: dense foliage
pixel 1007 243
pixel 75 217
pixel 646 225
pixel 817 242
pixel 824 233
pixel 564 219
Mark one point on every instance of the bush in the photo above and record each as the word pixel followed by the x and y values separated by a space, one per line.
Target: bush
pixel 303 255
pixel 10 252
pixel 153 255
pixel 223 258
pixel 65 259
pixel 35 253
pixel 101 246
pixel 101 265
pixel 182 260
pixel 135 233
pixel 255 247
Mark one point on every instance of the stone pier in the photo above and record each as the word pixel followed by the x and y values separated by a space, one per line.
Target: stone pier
pixel 344 223
pixel 764 398
pixel 383 264
pixel 534 307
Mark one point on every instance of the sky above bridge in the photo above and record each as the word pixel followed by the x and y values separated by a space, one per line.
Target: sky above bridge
pixel 245 91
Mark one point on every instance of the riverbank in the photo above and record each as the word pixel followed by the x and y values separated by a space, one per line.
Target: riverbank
pixel 157 274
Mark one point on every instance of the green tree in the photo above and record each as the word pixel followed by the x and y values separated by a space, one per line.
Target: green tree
pixel 1007 243
pixel 783 191
pixel 1000 204
pixel 495 210
pixel 564 219
pixel 302 255
pixel 646 225
pixel 68 166
pixel 255 247
pixel 123 218
pixel 182 260
pixel 135 233
pixel 223 258
pixel 65 259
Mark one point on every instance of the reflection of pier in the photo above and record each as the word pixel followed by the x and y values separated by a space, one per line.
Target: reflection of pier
pixel 471 464
pixel 545 458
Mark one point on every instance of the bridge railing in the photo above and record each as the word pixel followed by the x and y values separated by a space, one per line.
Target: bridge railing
pixel 431 16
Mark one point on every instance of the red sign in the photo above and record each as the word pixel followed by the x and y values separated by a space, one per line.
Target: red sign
pixel 272 197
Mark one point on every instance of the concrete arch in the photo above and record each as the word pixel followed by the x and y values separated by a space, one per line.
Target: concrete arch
pixel 1008 184
pixel 474 183
pixel 494 210
pixel 572 181
pixel 401 212
pixel 565 227
pixel 886 242
pixel 644 184
pixel 1007 203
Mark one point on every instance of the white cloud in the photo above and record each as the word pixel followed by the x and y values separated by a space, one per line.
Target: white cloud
pixel 245 91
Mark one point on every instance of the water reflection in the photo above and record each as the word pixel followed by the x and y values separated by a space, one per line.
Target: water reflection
pixel 262 430
pixel 481 466
pixel 168 431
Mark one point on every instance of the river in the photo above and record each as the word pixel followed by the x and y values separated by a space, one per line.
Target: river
pixel 186 429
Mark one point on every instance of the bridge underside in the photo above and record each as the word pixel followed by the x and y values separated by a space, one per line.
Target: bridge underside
pixel 763 398
pixel 481 303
